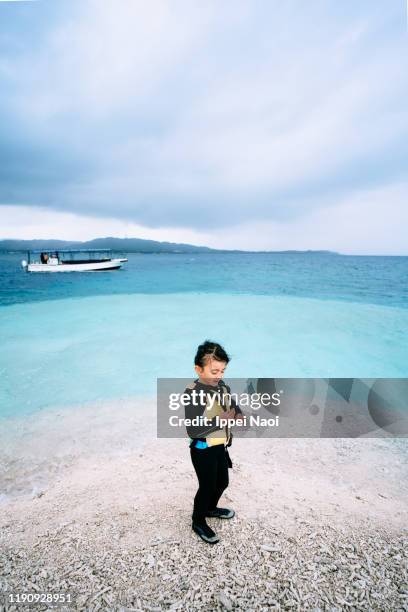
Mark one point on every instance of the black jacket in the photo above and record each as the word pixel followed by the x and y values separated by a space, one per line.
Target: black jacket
pixel 198 409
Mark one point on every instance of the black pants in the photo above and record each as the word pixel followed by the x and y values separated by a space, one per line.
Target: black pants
pixel 211 467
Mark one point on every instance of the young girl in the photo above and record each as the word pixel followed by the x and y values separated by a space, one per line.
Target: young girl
pixel 208 443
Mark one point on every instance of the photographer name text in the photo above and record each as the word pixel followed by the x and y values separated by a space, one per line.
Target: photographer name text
pixel 244 421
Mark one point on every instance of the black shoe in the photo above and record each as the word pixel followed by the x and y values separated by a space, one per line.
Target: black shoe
pixel 206 533
pixel 221 513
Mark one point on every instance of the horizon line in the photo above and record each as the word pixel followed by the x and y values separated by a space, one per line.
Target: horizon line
pixel 199 246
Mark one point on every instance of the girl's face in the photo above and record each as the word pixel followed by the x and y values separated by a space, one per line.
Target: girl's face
pixel 212 372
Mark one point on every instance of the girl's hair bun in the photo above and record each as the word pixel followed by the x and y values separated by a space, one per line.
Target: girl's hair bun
pixel 212 349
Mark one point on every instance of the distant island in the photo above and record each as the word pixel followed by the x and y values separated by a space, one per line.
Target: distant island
pixel 128 245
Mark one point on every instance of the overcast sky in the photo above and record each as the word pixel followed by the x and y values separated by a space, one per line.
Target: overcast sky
pixel 234 124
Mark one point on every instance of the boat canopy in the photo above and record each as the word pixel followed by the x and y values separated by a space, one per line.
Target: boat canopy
pixel 70 255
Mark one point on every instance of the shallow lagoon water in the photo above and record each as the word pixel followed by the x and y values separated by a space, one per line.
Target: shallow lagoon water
pixel 77 350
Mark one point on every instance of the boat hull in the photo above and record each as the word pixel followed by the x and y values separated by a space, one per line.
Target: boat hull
pixel 113 264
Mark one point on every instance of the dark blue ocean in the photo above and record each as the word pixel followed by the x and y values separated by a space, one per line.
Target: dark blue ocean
pixel 367 279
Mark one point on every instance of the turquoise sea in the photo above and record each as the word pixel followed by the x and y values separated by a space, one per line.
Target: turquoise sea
pixel 71 338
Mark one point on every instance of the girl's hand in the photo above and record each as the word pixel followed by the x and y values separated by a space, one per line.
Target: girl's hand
pixel 229 415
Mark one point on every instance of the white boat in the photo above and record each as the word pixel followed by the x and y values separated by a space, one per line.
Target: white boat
pixel 70 260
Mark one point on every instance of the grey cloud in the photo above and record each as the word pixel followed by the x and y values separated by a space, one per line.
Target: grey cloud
pixel 163 149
